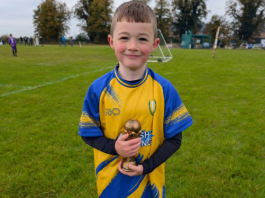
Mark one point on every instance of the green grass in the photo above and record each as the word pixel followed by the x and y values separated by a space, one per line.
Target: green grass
pixel 41 97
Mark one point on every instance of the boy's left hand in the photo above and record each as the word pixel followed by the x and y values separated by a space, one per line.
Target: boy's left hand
pixel 137 170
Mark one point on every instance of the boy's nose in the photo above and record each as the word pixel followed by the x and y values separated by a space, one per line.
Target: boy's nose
pixel 133 45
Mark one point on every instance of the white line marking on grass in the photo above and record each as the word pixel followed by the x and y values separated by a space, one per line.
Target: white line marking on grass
pixel 11 85
pixel 51 83
pixel 61 61
pixel 50 65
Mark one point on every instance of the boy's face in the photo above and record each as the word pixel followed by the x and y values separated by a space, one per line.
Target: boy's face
pixel 133 43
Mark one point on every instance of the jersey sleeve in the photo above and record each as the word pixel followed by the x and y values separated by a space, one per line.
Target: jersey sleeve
pixel 89 125
pixel 176 118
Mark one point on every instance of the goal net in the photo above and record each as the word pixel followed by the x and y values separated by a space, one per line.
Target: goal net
pixel 162 52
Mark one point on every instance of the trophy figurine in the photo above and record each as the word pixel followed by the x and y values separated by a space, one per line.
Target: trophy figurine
pixel 133 128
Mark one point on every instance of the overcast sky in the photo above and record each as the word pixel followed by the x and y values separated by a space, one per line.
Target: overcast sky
pixel 16 15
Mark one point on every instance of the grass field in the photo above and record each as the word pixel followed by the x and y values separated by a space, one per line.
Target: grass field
pixel 41 97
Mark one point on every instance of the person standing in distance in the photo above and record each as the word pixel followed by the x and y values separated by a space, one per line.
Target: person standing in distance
pixel 21 41
pixel 64 41
pixel 71 41
pixel 37 41
pixel 60 41
pixel 12 42
pixel 41 41
pixel 25 41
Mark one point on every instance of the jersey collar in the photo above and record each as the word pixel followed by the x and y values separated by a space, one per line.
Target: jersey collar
pixel 130 84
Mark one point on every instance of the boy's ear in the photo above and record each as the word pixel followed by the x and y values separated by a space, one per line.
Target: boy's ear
pixel 110 41
pixel 155 44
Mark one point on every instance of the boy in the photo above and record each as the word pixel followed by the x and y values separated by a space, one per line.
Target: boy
pixel 132 91
pixel 12 42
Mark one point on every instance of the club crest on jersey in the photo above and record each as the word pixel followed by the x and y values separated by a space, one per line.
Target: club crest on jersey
pixel 152 106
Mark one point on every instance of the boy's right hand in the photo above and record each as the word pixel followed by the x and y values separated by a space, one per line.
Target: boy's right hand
pixel 127 148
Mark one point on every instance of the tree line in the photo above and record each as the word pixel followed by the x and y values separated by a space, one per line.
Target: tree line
pixel 174 17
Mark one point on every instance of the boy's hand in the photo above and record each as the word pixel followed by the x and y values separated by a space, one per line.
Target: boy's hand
pixel 127 148
pixel 137 170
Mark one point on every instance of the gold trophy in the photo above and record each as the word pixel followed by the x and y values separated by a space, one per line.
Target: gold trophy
pixel 133 128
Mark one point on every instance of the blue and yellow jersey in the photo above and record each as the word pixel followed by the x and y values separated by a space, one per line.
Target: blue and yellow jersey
pixel 109 103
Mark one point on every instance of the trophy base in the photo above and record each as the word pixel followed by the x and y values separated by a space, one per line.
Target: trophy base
pixel 125 166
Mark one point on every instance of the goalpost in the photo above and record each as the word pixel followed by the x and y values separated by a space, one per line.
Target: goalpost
pixel 162 52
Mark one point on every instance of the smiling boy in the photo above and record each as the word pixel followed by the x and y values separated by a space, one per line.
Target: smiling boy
pixel 132 91
pixel 133 43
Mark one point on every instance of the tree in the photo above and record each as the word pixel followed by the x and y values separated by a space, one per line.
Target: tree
pixel 187 15
pixel 248 17
pixel 144 1
pixel 163 16
pixel 81 12
pixel 82 37
pixel 212 26
pixel 100 20
pixel 50 19
pixel 95 17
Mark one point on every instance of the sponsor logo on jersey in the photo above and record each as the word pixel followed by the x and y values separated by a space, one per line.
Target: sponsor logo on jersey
pixel 146 138
pixel 114 111
pixel 152 106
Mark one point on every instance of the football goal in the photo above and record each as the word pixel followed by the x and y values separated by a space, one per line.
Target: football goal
pixel 162 52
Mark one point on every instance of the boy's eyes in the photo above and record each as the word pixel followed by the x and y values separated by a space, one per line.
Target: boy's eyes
pixel 143 39
pixel 126 38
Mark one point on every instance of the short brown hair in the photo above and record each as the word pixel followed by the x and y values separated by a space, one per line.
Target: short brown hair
pixel 134 11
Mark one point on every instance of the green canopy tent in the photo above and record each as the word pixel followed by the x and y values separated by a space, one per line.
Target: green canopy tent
pixel 199 39
pixel 194 41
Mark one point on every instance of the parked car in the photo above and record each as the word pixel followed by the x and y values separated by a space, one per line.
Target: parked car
pixel 221 44
pixel 243 45
pixel 206 45
pixel 257 46
pixel 250 46
pixel 232 44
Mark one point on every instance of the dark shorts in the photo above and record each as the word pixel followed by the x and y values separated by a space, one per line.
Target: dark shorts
pixel 13 47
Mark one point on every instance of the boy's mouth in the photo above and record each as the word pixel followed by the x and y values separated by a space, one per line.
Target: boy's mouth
pixel 132 55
